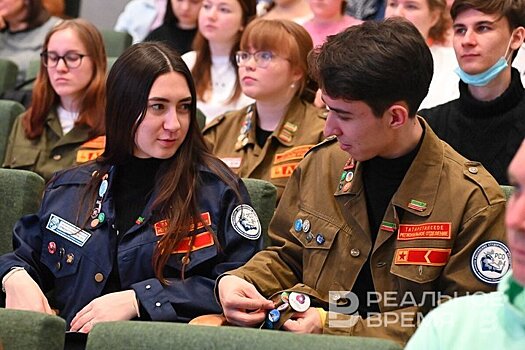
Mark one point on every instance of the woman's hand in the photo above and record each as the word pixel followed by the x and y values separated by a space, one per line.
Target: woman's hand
pixel 22 293
pixel 116 306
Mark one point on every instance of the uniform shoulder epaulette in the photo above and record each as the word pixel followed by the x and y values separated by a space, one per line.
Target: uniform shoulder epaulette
pixel 214 122
pixel 480 176
pixel 327 141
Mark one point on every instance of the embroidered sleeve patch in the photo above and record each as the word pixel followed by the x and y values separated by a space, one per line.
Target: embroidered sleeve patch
pixel 422 256
pixel 430 230
pixel 491 261
pixel 245 222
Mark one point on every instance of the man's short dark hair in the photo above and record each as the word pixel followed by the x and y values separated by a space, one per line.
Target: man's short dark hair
pixel 378 63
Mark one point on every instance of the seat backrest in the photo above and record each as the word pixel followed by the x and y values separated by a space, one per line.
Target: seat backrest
pixel 8 74
pixel 115 42
pixel 264 197
pixel 507 190
pixel 31 330
pixel 163 335
pixel 9 110
pixel 21 193
pixel 31 73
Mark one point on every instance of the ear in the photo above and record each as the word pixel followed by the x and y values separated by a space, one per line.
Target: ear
pixel 517 38
pixel 397 114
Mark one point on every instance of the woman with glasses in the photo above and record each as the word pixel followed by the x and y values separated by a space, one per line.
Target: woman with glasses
pixel 23 27
pixel 64 124
pixel 267 139
pixel 212 64
pixel 143 231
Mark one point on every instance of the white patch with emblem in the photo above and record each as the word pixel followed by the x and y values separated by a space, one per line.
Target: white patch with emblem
pixel 245 221
pixel 67 230
pixel 491 261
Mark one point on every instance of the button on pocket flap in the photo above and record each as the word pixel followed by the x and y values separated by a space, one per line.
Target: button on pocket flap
pixel 416 273
pixel 23 157
pixel 195 259
pixel 313 232
pixel 61 258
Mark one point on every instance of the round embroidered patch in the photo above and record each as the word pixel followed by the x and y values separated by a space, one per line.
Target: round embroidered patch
pixel 491 261
pixel 245 221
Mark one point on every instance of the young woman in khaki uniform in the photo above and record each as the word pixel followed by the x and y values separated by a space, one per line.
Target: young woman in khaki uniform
pixel 64 124
pixel 267 139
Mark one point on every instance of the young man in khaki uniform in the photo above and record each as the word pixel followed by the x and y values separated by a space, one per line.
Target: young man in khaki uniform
pixel 380 237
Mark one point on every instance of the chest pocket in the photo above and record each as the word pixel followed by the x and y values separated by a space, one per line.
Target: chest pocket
pixel 201 258
pixel 23 158
pixel 61 257
pixel 316 236
pixel 415 272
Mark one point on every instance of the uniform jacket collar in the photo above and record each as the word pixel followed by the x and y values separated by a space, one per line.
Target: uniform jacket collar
pixel 78 134
pixel 287 127
pixel 427 164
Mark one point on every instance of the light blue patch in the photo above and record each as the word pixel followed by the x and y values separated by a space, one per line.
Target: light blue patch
pixel 67 230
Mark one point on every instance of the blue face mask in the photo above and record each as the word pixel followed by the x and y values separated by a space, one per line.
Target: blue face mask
pixel 483 78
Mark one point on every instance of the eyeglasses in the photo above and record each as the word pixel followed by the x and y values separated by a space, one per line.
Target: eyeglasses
pixel 262 58
pixel 72 60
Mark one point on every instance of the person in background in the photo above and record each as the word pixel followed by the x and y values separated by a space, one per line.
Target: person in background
pixel 366 227
pixel 65 123
pixel 486 122
pixel 293 10
pixel 267 139
pixel 329 18
pixel 24 25
pixel 140 17
pixel 213 65
pixel 180 25
pixel 498 318
pixel 55 7
pixel 432 20
pixel 143 231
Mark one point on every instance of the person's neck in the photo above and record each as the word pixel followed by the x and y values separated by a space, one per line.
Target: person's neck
pixel 405 140
pixel 69 104
pixel 494 89
pixel 17 21
pixel 271 111
pixel 327 20
pixel 298 8
pixel 220 49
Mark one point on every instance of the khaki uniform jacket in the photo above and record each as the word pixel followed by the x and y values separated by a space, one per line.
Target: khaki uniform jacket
pixel 52 151
pixel 231 137
pixel 459 207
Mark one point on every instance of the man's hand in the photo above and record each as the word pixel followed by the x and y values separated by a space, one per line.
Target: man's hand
pixel 304 322
pixel 243 305
pixel 23 293
pixel 116 306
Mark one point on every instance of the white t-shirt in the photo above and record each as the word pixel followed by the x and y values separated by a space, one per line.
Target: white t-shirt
pixel 444 84
pixel 67 119
pixel 519 63
pixel 223 79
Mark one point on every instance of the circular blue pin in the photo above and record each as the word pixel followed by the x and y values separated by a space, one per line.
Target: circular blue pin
pixel 103 188
pixel 268 324
pixel 319 239
pixel 274 315
pixel 298 225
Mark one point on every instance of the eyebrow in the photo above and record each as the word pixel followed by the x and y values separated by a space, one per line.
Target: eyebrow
pixel 476 23
pixel 337 110
pixel 163 99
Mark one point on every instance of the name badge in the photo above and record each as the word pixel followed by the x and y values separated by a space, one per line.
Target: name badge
pixel 67 230
pixel 233 163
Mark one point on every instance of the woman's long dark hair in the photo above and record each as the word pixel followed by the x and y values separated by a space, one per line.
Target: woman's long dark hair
pixel 128 86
